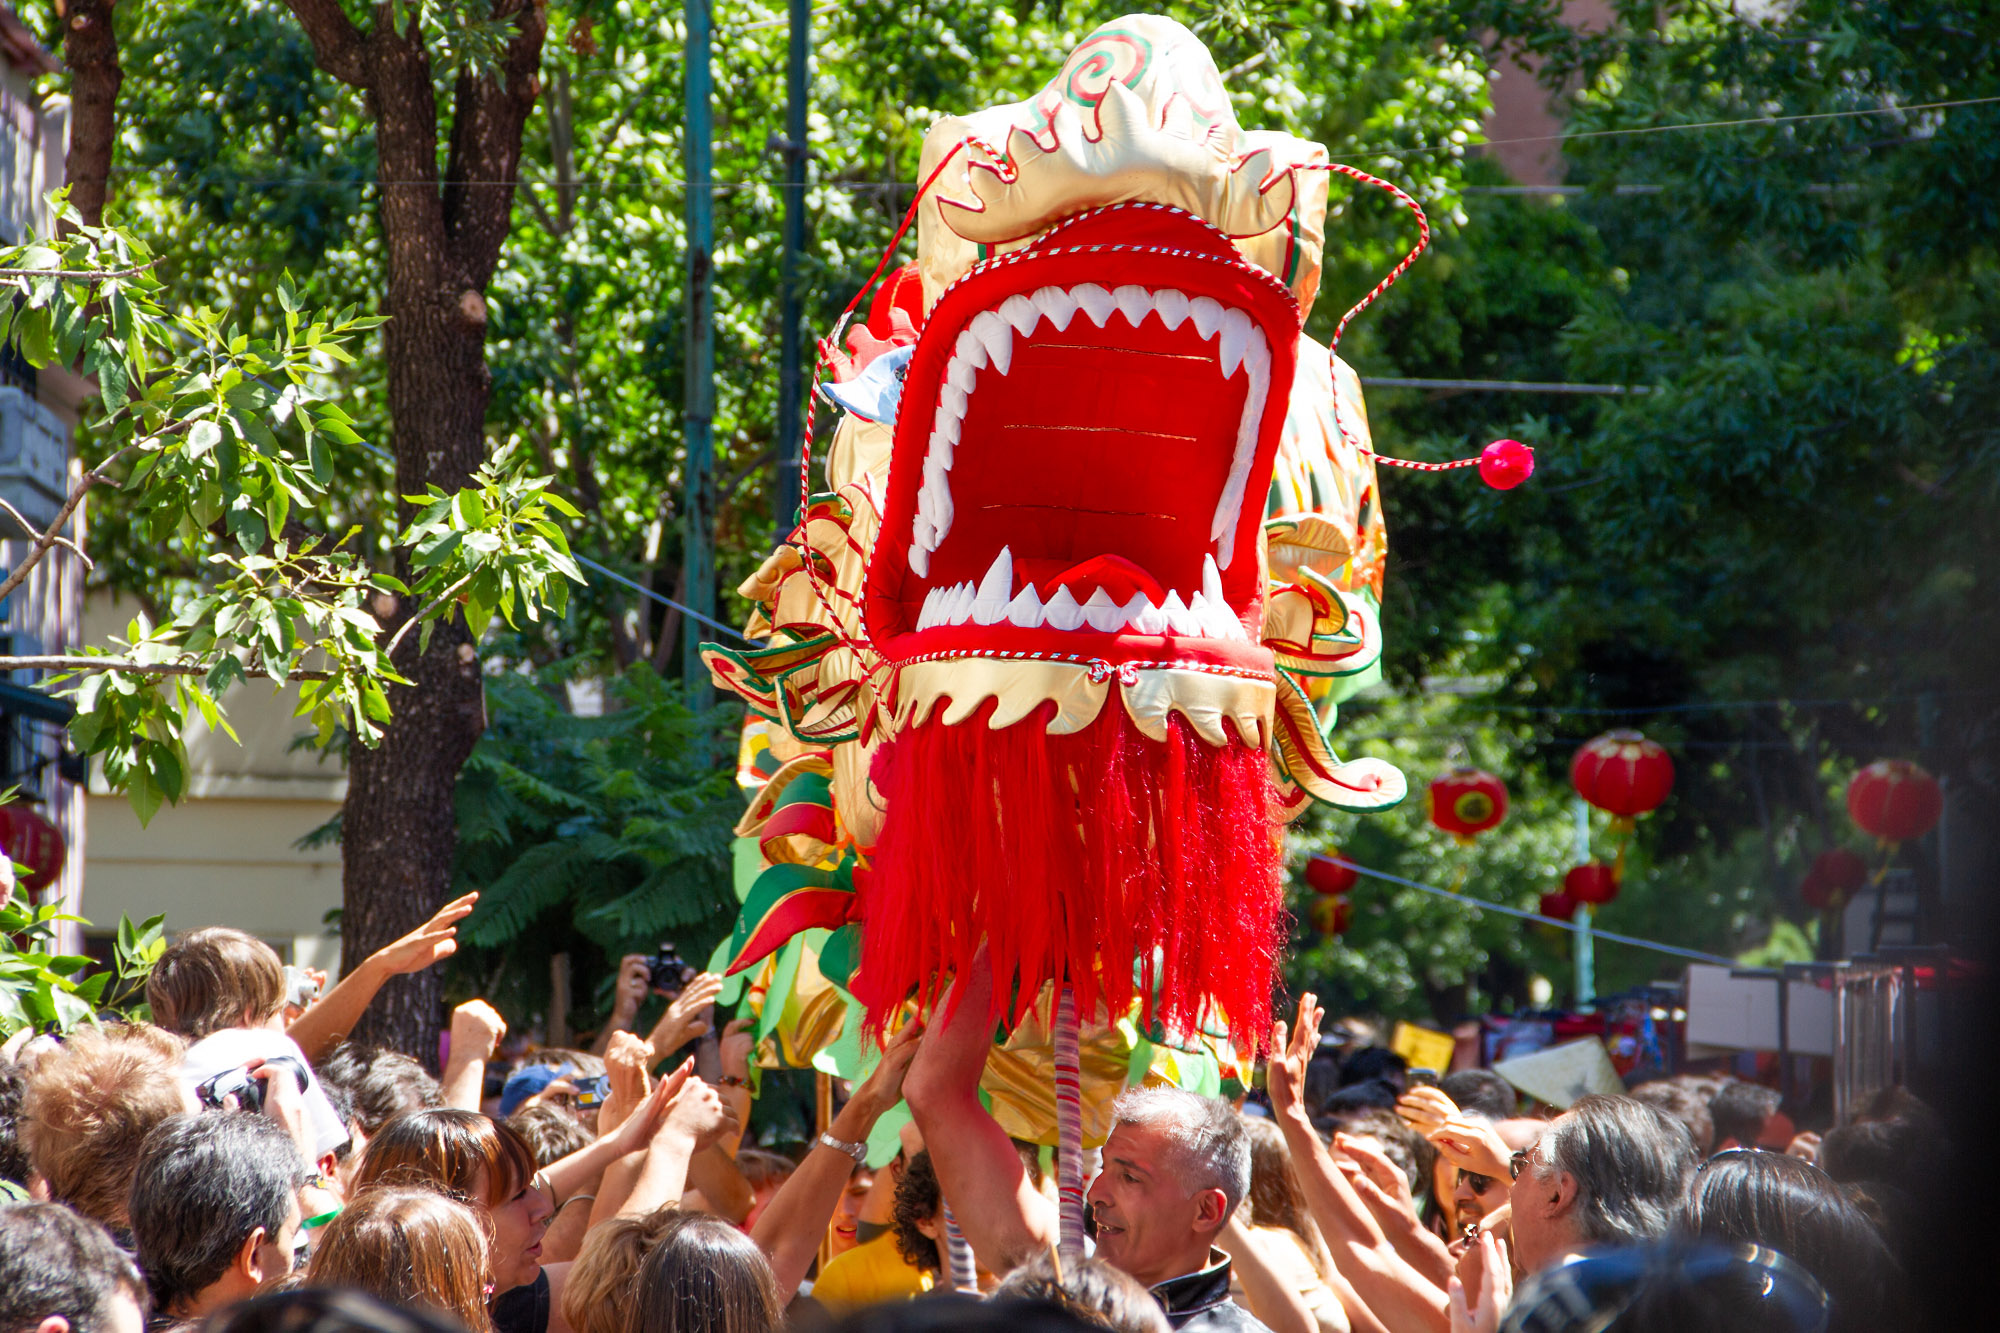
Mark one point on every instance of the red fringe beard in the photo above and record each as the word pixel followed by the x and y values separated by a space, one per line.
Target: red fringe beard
pixel 1130 867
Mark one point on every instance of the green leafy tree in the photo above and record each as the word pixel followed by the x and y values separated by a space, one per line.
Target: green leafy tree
pixel 54 992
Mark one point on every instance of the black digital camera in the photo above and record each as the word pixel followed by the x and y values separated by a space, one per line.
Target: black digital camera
pixel 248 1090
pixel 667 972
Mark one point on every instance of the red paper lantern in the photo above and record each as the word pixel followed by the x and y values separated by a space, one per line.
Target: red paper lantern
pixel 1330 916
pixel 32 841
pixel 1833 877
pixel 1591 883
pixel 1894 800
pixel 1327 873
pixel 1559 905
pixel 1505 464
pixel 1466 802
pixel 1622 773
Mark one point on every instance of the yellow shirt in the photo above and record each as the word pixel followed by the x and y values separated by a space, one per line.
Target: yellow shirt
pixel 869 1274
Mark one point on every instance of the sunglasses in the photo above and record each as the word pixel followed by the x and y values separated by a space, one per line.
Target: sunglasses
pixel 1518 1162
pixel 1477 1183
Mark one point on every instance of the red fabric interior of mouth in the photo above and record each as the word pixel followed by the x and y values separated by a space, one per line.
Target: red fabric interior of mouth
pixel 1099 442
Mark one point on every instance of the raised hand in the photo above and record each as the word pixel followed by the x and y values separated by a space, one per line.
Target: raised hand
pixel 699 1113
pixel 1375 1167
pixel 739 1041
pixel 476 1030
pixel 1425 1109
pixel 1483 1287
pixel 1471 1144
pixel 626 1061
pixel 432 942
pixel 633 985
pixel 683 1022
pixel 1291 1052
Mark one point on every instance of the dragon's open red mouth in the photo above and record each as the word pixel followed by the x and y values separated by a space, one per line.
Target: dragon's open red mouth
pixel 1080 463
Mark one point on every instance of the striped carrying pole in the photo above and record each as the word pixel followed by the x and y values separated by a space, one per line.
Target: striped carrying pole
pixel 1069 1133
pixel 964 1272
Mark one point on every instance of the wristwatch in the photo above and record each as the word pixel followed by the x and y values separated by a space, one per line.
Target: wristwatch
pixel 858 1151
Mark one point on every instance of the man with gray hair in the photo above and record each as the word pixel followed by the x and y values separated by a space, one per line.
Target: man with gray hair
pixel 1175 1167
pixel 1609 1171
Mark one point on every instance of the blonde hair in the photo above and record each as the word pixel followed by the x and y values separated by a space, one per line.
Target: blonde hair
pixel 90 1104
pixel 1276 1198
pixel 603 1281
pixel 212 979
pixel 409 1246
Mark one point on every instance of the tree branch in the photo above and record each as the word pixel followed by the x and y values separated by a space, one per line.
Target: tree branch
pixel 26 526
pixel 53 534
pixel 338 46
pixel 143 668
pixel 488 116
pixel 435 603
pixel 78 275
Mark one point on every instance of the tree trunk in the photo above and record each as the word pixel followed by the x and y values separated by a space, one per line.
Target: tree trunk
pixel 442 237
pixel 90 49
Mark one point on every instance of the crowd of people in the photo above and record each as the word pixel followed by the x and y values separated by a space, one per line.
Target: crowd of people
pixel 237 1163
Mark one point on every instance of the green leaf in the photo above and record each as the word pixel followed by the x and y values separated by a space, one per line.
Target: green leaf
pixel 203 436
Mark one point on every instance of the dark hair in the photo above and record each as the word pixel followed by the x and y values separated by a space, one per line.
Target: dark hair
pixel 1739 1111
pixel 552 1132
pixel 1793 1207
pixel 705 1276
pixel 448 1149
pixel 342 1103
pixel 1896 1151
pixel 956 1312
pixel 1631 1163
pixel 13 1153
pixel 918 1199
pixel 1090 1290
pixel 204 1184
pixel 55 1262
pixel 1670 1288
pixel 1409 1150
pixel 1374 1062
pixel 316 1310
pixel 1481 1090
pixel 1683 1104
pixel 380 1084
pixel 761 1167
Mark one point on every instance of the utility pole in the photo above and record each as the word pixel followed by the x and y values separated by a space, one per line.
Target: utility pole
pixel 698 393
pixel 1584 945
pixel 785 494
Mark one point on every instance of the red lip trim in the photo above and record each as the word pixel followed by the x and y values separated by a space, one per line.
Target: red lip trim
pixel 1138 480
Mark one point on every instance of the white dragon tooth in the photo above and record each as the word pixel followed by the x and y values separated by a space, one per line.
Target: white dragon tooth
pixel 961 373
pixel 1229 509
pixel 1019 311
pixel 1142 617
pixel 930 611
pixel 1057 305
pixel 967 348
pixel 1103 614
pixel 1180 618
pixel 920 561
pixel 996 590
pixel 941 447
pixel 1135 302
pixel 1211 580
pixel 937 485
pixel 1172 305
pixel 1206 312
pixel 997 336
pixel 1062 612
pixel 962 599
pixel 1235 341
pixel 1094 301
pixel 946 425
pixel 1026 608
pixel 952 399
pixel 923 530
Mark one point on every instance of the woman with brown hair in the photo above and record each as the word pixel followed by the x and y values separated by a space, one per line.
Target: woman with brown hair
pixel 489 1165
pixel 1275 1219
pixel 705 1276
pixel 412 1247
pixel 598 1296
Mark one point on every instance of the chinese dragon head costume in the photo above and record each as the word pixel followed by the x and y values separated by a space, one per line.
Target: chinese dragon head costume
pixel 1056 647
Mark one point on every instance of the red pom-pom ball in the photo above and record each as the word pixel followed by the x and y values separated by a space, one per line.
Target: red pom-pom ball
pixel 1505 464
